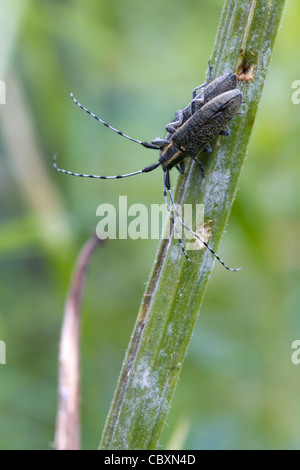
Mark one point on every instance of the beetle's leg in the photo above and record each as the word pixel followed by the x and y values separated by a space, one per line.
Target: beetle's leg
pixel 207 149
pixel 225 131
pixel 195 234
pixel 167 186
pixel 181 167
pixel 171 127
pixel 200 97
pixel 205 83
pixel 158 142
pixel 200 165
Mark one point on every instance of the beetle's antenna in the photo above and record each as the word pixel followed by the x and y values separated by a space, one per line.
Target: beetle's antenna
pixel 196 235
pixel 82 175
pixel 144 144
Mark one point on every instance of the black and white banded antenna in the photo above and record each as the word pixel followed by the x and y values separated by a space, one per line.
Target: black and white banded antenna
pixel 144 144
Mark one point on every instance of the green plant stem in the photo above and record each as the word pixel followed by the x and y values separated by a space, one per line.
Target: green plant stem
pixel 175 290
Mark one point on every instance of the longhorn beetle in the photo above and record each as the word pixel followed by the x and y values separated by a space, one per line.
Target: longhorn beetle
pixel 191 132
pixel 208 91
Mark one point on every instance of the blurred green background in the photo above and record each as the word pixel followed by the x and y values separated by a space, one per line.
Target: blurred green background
pixel 135 63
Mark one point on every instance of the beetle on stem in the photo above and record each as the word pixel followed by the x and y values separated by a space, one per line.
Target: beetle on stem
pixel 191 132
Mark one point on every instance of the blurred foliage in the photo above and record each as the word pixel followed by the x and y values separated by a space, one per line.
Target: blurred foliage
pixel 134 63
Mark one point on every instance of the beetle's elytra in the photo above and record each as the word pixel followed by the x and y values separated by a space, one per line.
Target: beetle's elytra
pixel 190 133
pixel 200 129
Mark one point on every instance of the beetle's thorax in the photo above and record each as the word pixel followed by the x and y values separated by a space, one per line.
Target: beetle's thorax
pixel 170 156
